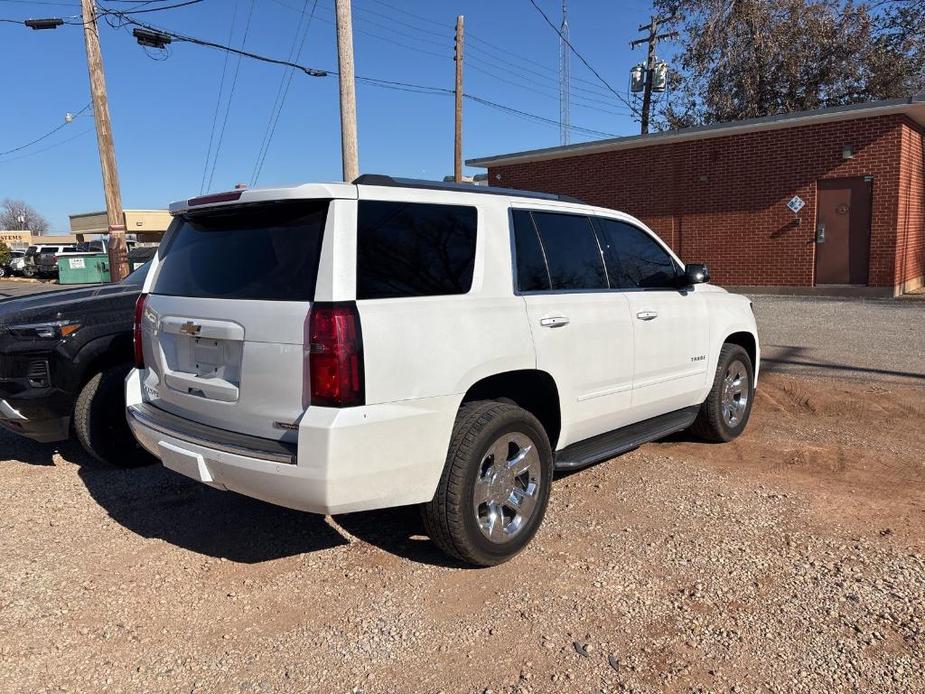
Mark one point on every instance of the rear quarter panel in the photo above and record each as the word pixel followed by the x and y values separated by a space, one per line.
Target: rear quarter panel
pixel 432 346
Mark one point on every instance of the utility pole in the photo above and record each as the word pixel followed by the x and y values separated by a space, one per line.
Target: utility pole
pixel 118 255
pixel 457 150
pixel 348 99
pixel 652 39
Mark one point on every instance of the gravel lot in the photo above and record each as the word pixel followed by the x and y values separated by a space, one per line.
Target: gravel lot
pixel 792 559
pixel 857 339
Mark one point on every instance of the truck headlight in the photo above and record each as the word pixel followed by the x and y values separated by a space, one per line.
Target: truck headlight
pixel 52 330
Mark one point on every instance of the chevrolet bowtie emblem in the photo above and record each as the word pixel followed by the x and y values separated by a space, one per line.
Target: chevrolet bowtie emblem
pixel 190 328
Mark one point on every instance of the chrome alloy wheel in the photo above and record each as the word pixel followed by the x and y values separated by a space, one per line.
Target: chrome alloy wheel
pixel 507 487
pixel 735 393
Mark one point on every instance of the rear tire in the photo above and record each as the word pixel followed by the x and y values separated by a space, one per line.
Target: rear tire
pixel 724 414
pixel 495 486
pixel 100 424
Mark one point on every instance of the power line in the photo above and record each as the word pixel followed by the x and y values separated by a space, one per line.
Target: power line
pixel 314 72
pixel 534 117
pixel 234 83
pixel 410 14
pixel 547 91
pixel 387 39
pixel 52 146
pixel 282 100
pixel 42 137
pixel 495 61
pixel 582 58
pixel 504 54
pixel 282 83
pixel 546 81
pixel 40 2
pixel 218 100
pixel 373 81
pixel 159 8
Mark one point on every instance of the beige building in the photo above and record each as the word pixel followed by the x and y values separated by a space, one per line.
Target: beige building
pixel 16 239
pixel 145 225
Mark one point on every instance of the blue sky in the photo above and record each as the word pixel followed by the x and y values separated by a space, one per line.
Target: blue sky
pixel 162 106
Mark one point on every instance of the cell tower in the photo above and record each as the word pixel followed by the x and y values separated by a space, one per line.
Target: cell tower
pixel 564 78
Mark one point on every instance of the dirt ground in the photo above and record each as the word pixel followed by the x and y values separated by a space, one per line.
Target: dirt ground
pixel 790 560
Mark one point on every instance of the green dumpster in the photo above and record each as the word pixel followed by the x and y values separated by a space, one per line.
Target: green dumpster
pixel 84 268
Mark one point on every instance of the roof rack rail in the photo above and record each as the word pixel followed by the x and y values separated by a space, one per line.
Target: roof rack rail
pixel 383 180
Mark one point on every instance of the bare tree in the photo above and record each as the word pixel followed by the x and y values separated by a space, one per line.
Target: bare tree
pixel 18 214
pixel 750 58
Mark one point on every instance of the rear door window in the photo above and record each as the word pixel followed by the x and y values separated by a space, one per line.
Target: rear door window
pixel 263 251
pixel 572 253
pixel 532 274
pixel 414 249
pixel 634 259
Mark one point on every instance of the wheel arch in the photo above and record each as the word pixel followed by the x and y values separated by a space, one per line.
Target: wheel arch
pixel 101 353
pixel 532 389
pixel 746 341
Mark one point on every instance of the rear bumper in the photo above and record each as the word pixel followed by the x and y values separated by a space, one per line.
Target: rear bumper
pixel 346 460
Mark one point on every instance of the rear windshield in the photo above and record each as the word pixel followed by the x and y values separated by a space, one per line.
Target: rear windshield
pixel 264 251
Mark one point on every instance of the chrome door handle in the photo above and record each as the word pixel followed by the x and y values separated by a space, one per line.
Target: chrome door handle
pixel 554 322
pixel 647 315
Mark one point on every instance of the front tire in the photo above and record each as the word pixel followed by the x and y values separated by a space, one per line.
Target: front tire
pixel 495 486
pixel 725 412
pixel 100 424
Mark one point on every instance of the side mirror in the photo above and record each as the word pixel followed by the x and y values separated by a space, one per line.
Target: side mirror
pixel 696 273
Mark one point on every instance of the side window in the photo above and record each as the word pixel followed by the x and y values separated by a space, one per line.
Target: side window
pixel 572 253
pixel 412 249
pixel 532 274
pixel 634 259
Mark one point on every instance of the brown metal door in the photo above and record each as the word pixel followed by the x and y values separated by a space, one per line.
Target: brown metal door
pixel 843 231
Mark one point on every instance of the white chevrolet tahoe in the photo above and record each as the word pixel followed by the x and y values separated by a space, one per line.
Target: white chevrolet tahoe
pixel 342 347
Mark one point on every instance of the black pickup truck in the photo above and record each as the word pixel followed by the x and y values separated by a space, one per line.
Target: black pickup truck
pixel 64 356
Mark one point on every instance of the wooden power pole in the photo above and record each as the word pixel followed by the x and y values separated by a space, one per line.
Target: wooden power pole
pixel 652 39
pixel 348 99
pixel 118 255
pixel 457 150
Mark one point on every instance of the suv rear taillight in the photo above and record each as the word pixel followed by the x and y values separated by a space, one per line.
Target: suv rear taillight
pixel 332 374
pixel 136 331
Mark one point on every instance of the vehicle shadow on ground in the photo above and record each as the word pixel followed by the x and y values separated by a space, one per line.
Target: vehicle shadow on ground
pixel 796 360
pixel 157 503
pixel 399 531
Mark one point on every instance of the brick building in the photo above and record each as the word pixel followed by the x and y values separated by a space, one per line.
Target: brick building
pixel 719 194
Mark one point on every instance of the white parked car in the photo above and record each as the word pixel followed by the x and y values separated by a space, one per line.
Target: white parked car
pixel 342 347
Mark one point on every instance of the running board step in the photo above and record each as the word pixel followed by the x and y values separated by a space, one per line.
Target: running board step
pixel 621 440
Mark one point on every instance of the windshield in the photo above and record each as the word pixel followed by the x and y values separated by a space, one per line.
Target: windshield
pixel 267 251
